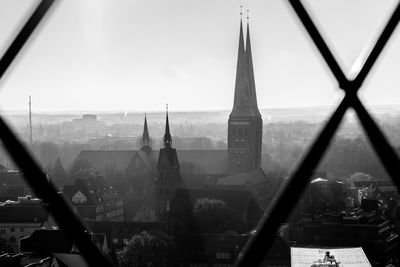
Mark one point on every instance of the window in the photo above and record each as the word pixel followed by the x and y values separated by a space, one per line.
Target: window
pixel 12 229
pixel 22 229
pixel 2 231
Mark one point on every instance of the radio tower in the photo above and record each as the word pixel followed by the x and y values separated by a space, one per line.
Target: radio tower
pixel 30 120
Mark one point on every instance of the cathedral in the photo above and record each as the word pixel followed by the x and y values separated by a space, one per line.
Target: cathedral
pixel 239 165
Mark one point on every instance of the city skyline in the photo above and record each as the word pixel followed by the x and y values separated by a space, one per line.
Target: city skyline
pixel 105 59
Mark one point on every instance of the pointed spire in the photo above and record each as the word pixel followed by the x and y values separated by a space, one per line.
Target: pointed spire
pixel 245 102
pixel 145 137
pixel 167 134
pixel 250 70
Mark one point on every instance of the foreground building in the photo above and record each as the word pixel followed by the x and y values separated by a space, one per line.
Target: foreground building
pixel 21 218
pixel 92 199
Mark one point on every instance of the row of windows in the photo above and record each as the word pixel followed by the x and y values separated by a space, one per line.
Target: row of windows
pixel 240 131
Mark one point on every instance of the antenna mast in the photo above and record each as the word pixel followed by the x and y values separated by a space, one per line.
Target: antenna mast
pixel 30 120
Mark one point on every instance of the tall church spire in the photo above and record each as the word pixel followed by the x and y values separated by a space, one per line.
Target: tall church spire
pixel 245 122
pixel 167 134
pixel 245 101
pixel 145 136
pixel 250 71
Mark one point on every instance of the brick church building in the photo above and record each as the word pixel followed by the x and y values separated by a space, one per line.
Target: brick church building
pixel 159 170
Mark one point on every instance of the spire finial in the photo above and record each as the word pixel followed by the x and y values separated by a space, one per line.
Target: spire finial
pixel 241 11
pixel 247 15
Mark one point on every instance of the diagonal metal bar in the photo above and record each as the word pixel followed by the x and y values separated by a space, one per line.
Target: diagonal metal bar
pixel 53 201
pixel 344 83
pixel 258 245
pixel 34 176
pixel 379 45
pixel 320 43
pixel 387 155
pixel 23 35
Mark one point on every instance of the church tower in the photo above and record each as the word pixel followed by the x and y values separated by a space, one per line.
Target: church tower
pixel 145 142
pixel 245 122
pixel 169 178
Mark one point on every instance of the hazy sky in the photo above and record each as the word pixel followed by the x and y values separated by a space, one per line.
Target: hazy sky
pixel 138 55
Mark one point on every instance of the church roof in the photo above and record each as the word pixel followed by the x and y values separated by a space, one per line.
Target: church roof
pixel 206 161
pixel 101 160
pixel 244 178
pixel 168 158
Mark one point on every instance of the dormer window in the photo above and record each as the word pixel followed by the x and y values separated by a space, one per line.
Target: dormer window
pixel 79 198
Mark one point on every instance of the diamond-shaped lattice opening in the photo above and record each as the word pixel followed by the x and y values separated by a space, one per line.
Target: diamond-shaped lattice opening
pixel 350 202
pixel 350 28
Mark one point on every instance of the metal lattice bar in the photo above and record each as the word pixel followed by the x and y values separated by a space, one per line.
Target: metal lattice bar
pixel 259 244
pixel 23 35
pixel 288 195
pixel 53 201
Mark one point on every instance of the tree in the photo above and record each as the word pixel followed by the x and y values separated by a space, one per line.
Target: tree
pixel 82 169
pixel 48 152
pixel 213 216
pixel 144 250
pixel 58 173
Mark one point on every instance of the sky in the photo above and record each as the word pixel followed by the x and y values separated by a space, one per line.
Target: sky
pixel 135 55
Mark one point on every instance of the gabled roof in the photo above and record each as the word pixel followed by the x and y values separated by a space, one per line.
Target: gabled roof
pixel 252 177
pixel 148 159
pixel 168 159
pixel 80 186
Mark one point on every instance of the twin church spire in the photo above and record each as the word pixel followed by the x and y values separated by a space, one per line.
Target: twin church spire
pixel 245 100
pixel 146 143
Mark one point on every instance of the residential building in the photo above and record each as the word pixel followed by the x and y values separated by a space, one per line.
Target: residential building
pixel 93 199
